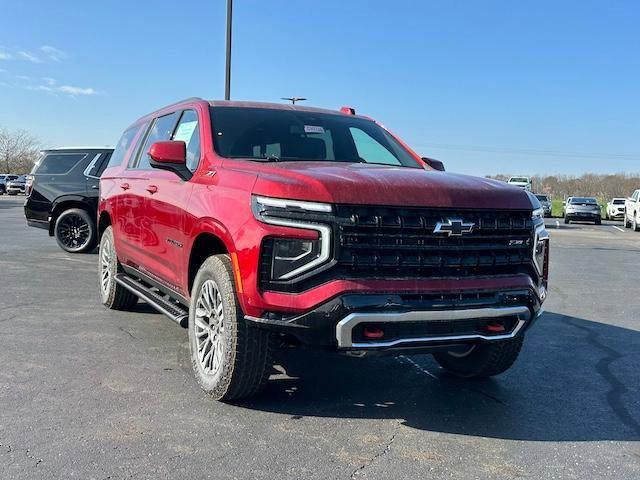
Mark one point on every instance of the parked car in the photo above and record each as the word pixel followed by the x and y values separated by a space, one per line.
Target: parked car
pixel 615 209
pixel 16 186
pixel 62 194
pixel 565 202
pixel 545 203
pixel 583 209
pixel 522 182
pixel 632 211
pixel 253 221
pixel 3 182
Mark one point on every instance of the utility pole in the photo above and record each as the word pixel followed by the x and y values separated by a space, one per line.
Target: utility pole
pixel 227 82
pixel 293 100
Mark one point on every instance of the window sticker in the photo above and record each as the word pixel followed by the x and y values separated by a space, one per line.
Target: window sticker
pixel 313 129
pixel 185 131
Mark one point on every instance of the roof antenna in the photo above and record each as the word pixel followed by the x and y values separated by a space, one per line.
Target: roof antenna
pixel 293 100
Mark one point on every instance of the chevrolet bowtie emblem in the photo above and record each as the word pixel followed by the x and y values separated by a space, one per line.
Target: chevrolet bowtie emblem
pixel 453 227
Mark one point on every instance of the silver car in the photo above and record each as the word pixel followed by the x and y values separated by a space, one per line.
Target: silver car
pixel 582 209
pixel 546 204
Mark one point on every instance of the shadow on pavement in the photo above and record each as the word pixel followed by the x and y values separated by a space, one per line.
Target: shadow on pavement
pixel 576 380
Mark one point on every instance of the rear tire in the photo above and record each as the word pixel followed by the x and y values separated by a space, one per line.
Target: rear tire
pixel 113 295
pixel 482 360
pixel 598 221
pixel 567 221
pixel 230 358
pixel 634 224
pixel 627 223
pixel 75 231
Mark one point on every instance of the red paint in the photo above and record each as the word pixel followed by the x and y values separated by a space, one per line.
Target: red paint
pixel 157 217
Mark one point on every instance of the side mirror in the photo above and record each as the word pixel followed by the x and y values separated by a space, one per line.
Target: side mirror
pixel 171 156
pixel 433 163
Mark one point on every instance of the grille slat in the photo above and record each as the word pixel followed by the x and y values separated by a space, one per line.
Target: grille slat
pixel 392 241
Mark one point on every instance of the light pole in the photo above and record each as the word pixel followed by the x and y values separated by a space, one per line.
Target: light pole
pixel 293 100
pixel 227 81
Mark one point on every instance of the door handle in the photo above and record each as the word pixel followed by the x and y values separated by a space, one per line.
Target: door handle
pixel 125 186
pixel 152 189
pixel 95 187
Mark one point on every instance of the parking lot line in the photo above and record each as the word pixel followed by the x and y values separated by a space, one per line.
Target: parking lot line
pixel 618 228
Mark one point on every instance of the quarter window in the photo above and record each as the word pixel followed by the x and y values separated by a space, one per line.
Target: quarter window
pixel 58 163
pixel 125 146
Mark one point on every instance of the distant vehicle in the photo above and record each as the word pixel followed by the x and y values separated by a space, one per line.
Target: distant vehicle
pixel 564 205
pixel 632 211
pixel 62 195
pixel 3 182
pixel 546 204
pixel 522 182
pixel 615 209
pixel 14 187
pixel 582 209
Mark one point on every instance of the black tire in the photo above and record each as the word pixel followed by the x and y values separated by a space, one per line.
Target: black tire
pixel 75 231
pixel 482 360
pixel 113 295
pixel 634 223
pixel 566 220
pixel 245 351
pixel 598 221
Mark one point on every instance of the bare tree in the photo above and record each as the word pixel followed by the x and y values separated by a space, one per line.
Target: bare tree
pixel 18 151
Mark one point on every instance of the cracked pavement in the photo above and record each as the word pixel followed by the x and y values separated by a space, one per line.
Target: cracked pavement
pixel 94 394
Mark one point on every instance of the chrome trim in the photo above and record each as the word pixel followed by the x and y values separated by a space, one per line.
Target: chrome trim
pixel 299 204
pixel 540 235
pixel 345 327
pixel 91 165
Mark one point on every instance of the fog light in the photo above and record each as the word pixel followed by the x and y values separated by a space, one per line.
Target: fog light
pixel 372 333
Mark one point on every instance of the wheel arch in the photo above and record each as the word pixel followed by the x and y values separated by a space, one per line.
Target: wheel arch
pixel 65 203
pixel 205 244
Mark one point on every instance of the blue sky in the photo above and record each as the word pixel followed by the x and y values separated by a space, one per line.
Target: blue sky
pixel 486 86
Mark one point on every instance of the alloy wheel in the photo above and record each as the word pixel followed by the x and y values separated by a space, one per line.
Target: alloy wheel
pixel 106 256
pixel 74 232
pixel 209 327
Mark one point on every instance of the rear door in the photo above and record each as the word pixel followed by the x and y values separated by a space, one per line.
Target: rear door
pixel 139 235
pixel 167 197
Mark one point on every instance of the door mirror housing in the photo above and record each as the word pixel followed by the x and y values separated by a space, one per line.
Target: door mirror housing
pixel 433 163
pixel 171 156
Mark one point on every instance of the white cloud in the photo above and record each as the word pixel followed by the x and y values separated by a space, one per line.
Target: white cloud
pixel 28 56
pixel 53 53
pixel 76 90
pixel 4 55
pixel 53 88
pixel 23 77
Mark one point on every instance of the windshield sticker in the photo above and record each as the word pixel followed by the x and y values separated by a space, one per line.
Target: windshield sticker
pixel 313 129
pixel 185 131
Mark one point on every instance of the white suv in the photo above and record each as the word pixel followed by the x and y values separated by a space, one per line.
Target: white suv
pixel 522 182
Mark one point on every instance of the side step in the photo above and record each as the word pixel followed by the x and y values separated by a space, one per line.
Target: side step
pixel 173 310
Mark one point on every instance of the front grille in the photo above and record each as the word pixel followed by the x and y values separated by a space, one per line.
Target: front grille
pixel 400 242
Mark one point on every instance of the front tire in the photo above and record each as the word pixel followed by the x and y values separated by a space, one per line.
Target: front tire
pixel 481 360
pixel 113 295
pixel 634 224
pixel 230 358
pixel 75 231
pixel 567 221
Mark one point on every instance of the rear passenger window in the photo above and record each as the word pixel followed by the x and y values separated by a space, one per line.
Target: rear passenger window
pixel 160 131
pixel 124 148
pixel 58 163
pixel 188 132
pixel 99 165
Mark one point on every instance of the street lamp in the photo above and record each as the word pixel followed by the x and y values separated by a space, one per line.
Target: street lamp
pixel 227 82
pixel 293 100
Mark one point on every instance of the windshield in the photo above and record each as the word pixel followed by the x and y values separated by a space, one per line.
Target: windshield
pixel 584 200
pixel 519 179
pixel 542 198
pixel 618 201
pixel 265 134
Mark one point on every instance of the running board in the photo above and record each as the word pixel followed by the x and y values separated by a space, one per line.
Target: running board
pixel 171 309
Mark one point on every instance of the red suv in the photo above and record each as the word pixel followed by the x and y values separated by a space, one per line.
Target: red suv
pixel 251 222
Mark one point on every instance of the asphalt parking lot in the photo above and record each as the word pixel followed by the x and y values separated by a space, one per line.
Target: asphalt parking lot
pixel 90 393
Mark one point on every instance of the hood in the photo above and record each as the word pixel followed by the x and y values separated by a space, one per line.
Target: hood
pixel 367 184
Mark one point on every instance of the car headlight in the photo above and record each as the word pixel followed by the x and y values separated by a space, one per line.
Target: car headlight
pixel 537 213
pixel 292 257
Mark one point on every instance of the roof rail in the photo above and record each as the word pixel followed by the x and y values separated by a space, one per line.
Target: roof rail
pixel 190 99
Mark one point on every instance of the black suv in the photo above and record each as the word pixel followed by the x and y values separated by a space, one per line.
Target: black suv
pixel 62 192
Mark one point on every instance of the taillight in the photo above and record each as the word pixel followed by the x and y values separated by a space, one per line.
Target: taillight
pixel 28 184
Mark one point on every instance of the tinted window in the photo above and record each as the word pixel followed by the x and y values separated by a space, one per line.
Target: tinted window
pixel 618 201
pixel 298 135
pixel 57 163
pixel 161 130
pixel 124 148
pixel 583 200
pixel 188 132
pixel 99 165
pixel 542 198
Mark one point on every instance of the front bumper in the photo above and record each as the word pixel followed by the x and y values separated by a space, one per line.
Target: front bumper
pixel 413 321
pixel 583 216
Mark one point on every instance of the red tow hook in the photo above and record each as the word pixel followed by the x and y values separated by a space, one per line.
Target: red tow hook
pixel 494 328
pixel 373 333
